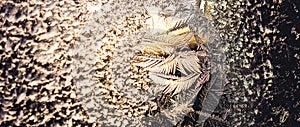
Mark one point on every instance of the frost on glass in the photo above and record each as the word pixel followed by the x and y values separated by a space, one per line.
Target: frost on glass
pixel 149 64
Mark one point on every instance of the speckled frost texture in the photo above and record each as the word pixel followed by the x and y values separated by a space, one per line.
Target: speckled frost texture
pixel 263 59
pixel 36 86
pixel 108 24
pixel 104 54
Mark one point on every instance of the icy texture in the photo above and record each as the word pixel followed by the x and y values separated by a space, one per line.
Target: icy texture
pixel 114 92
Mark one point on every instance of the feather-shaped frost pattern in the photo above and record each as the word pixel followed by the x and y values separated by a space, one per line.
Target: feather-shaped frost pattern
pixel 180 24
pixel 170 60
pixel 174 84
pixel 166 43
pixel 186 62
pixel 147 62
pixel 177 65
